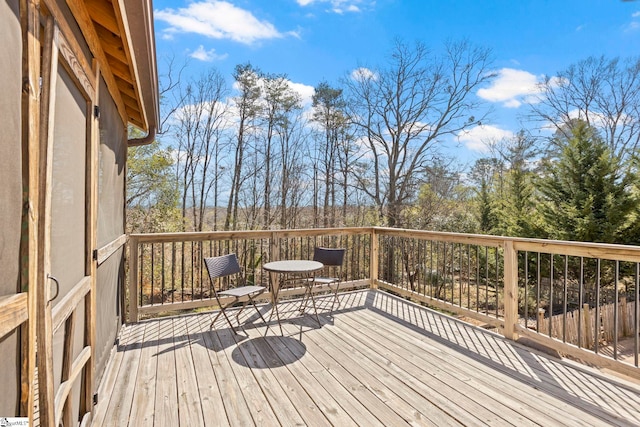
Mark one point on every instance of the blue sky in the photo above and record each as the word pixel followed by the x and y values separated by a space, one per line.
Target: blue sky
pixel 323 40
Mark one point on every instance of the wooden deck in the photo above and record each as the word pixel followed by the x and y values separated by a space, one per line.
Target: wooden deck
pixel 378 360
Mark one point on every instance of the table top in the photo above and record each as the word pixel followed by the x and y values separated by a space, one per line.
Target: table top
pixel 293 266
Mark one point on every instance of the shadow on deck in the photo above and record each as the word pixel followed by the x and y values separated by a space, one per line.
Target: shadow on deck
pixel 376 360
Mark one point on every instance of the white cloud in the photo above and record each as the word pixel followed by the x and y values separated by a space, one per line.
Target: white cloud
pixel 512 88
pixel 479 138
pixel 207 55
pixel 340 6
pixel 632 26
pixel 306 93
pixel 218 20
pixel 363 73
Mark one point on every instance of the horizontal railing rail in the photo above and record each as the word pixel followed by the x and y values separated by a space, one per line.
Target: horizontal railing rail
pixel 578 298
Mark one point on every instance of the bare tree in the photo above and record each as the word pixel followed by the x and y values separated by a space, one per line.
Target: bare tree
pixel 247 110
pixel 170 94
pixel 201 121
pixel 280 102
pixel 329 112
pixel 403 109
pixel 604 93
pixel 292 139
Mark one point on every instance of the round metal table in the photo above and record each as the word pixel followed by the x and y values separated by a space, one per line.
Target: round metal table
pixel 304 269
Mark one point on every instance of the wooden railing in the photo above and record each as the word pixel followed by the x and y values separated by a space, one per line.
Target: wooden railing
pixel 503 282
pixel 166 271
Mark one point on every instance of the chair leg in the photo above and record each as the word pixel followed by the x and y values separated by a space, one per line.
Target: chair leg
pixel 256 307
pixel 315 310
pixel 305 298
pixel 335 296
pixel 244 304
pixel 222 311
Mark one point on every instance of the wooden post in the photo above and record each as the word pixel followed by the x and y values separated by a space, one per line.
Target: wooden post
pixel 588 331
pixel 540 319
pixel 30 23
pixel 510 291
pixel 44 320
pixel 373 260
pixel 133 279
pixel 93 152
pixel 273 249
pixel 623 316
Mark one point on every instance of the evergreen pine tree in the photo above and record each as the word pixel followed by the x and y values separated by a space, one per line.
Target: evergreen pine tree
pixel 586 194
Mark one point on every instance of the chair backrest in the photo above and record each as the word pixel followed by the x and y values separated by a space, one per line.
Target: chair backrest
pixel 222 266
pixel 329 256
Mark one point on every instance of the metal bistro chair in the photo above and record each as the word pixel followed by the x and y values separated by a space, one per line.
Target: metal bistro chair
pixel 223 266
pixel 332 259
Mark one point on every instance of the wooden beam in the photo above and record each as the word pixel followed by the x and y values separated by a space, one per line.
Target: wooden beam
pixel 88 30
pixel 67 359
pixel 125 87
pixel 14 310
pixel 473 239
pixel 136 122
pixel 45 333
pixel 90 312
pixel 69 36
pixel 121 72
pixel 110 248
pixel 265 297
pixel 580 249
pixel 442 305
pixel 70 302
pixel 74 66
pixel 111 44
pixel 66 386
pixel 121 17
pixel 102 13
pixel 249 234
pixel 31 55
pixel 132 108
pixel 132 105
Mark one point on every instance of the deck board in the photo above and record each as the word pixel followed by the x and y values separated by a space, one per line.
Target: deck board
pixel 376 360
pixel 121 403
pixel 166 397
pixel 447 395
pixel 189 407
pixel 568 391
pixel 142 411
pixel 110 377
pixel 213 411
pixel 509 395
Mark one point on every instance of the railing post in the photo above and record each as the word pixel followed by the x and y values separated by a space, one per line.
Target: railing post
pixel 540 320
pixel 588 331
pixel 623 315
pixel 133 279
pixel 373 261
pixel 273 246
pixel 510 290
